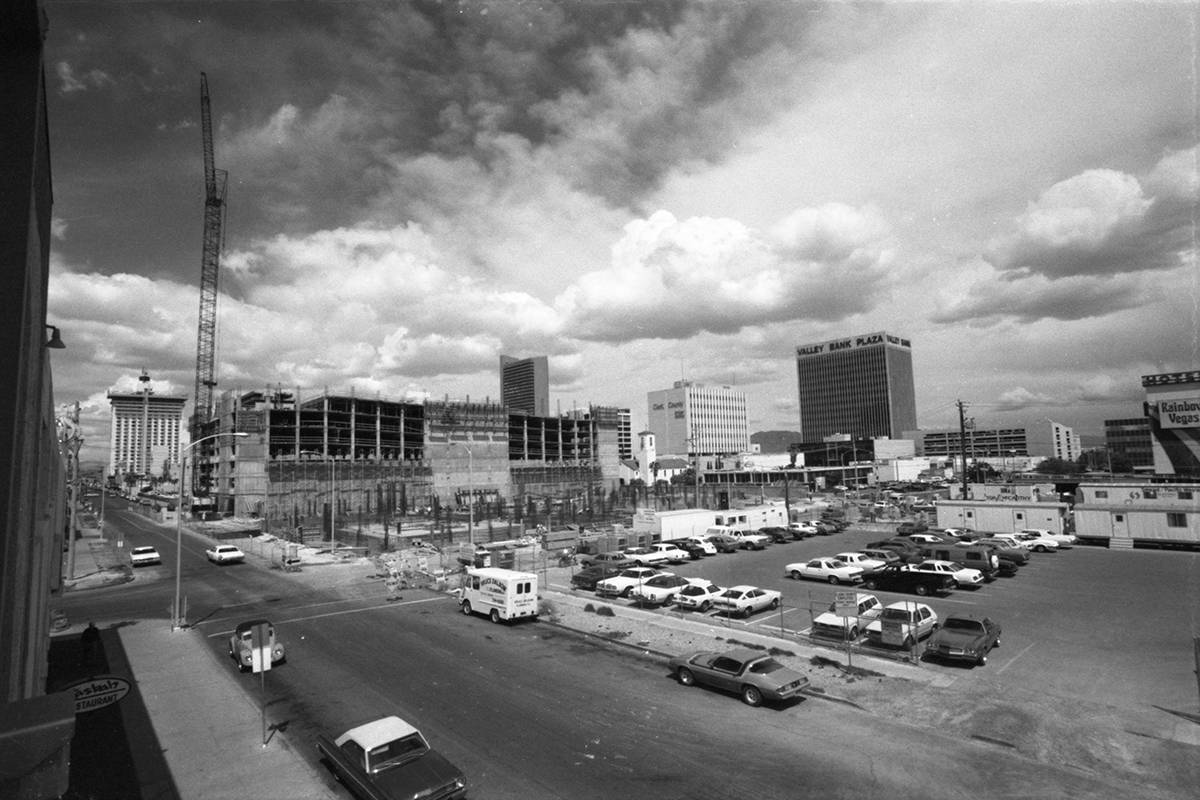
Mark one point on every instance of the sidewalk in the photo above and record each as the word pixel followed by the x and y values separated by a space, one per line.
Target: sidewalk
pixel 208 725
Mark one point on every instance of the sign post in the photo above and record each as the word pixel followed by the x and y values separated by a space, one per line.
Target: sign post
pixel 260 662
pixel 845 605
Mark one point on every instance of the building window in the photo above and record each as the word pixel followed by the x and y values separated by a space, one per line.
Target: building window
pixel 1185 494
pixel 1101 494
pixel 1176 519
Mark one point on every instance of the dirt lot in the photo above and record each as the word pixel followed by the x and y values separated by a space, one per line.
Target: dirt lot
pixel 1159 749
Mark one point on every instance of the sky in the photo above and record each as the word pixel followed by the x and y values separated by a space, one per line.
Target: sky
pixel 645 192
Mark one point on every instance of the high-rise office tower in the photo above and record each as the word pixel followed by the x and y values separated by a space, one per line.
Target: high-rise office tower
pixel 525 384
pixel 857 385
pixel 691 418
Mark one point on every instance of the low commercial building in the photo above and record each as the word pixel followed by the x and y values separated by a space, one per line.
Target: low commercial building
pixel 1125 515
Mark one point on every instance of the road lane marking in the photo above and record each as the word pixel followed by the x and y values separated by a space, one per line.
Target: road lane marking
pixel 335 613
pixel 1014 658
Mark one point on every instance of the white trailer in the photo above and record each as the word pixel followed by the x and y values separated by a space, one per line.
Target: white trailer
pixel 501 594
pixel 666 526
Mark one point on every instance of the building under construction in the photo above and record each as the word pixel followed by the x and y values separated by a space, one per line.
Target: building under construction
pixel 312 462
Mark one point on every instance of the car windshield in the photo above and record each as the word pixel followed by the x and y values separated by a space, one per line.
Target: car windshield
pixel 766 666
pixel 140 550
pixel 956 566
pixel 397 752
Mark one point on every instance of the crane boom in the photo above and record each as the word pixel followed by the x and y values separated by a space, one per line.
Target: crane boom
pixel 215 181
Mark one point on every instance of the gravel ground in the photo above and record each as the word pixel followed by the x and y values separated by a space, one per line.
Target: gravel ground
pixel 1155 748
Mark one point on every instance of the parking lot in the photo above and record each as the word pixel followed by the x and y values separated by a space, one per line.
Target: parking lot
pixel 1111 627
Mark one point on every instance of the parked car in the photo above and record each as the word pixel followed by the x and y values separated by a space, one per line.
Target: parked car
pixel 1005 549
pixel 777 534
pixel 886 556
pixel 963 576
pixel 830 623
pixel 225 554
pixel 616 557
pixel 658 590
pixel 752 674
pixel 674 554
pixel 957 533
pixel 621 584
pixel 805 529
pixel 825 527
pixel 838 522
pixel 141 556
pixel 742 601
pixel 646 557
pixel 899 578
pixel 695 550
pixel 1065 540
pixel 707 547
pixel 861 560
pixel 980 557
pixel 1007 540
pixel 907 551
pixel 724 543
pixel 388 759
pixel 915 621
pixel 588 577
pixel 906 528
pixel 241 644
pixel 926 538
pixel 751 541
pixel 698 594
pixel 825 569
pixel 964 637
pixel 1037 542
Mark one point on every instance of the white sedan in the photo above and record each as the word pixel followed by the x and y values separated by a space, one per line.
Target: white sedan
pixel 963 576
pixel 658 590
pixel 225 554
pixel 621 584
pixel 830 623
pixel 1037 541
pixel 672 552
pixel 742 601
pixel 698 594
pixel 140 556
pixel 645 556
pixel 804 528
pixel 859 559
pixel 825 569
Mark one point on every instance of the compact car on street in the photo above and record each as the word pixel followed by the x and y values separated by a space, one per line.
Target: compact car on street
pixel 752 674
pixel 141 556
pixel 225 554
pixel 241 644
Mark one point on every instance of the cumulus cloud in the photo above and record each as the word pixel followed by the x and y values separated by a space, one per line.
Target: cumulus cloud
pixel 1034 298
pixel 69 81
pixel 674 278
pixel 1102 222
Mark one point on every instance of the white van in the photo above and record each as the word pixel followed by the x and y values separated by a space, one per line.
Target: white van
pixel 501 594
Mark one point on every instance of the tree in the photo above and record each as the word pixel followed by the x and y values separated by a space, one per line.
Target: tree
pixel 1057 466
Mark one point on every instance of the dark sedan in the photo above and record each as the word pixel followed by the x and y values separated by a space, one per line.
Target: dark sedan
pixel 588 577
pixel 964 637
pixel 752 674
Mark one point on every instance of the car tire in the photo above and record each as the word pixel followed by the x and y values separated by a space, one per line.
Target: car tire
pixel 751 696
pixel 870 584
pixel 921 589
pixel 685 676
pixel 494 616
pixel 707 605
pixel 775 604
pixel 1041 548
pixel 795 574
pixel 466 607
pixel 833 579
pixel 854 632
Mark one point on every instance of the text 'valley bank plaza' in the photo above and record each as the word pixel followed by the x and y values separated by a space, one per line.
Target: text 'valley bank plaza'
pixel 857 385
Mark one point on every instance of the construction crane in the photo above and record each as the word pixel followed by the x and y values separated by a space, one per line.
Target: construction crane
pixel 210 266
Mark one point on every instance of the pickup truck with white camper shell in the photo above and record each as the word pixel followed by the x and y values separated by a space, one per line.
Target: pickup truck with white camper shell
pixel 389 759
pixel 500 594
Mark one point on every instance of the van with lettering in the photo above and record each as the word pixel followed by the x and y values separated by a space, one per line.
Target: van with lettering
pixel 499 594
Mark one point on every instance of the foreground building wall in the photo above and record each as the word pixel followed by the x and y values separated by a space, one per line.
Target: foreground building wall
pixel 1122 515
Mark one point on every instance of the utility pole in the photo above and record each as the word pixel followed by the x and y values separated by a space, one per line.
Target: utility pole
pixel 962 445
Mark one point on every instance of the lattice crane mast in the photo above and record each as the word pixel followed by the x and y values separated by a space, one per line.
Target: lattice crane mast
pixel 215 181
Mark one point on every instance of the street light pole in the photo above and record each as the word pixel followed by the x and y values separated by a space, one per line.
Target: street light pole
pixel 176 616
